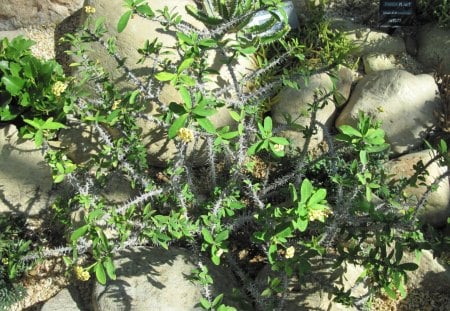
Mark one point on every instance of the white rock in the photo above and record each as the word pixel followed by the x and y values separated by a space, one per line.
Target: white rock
pixel 434 46
pixel 20 13
pixel 65 300
pixel 368 41
pixel 158 280
pixel 404 103
pixel 431 274
pixel 437 208
pixel 25 178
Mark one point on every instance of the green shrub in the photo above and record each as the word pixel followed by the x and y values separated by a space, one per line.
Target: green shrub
pixel 340 200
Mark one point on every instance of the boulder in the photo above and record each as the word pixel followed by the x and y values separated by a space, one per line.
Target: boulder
pixel 430 276
pixel 21 13
pixel 437 209
pixel 368 41
pixel 434 44
pixel 404 103
pixel 294 104
pixel 315 289
pixel 25 177
pixel 68 300
pixel 158 279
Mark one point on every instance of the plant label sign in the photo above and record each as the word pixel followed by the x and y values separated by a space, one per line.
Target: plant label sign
pixel 396 13
pixel 261 17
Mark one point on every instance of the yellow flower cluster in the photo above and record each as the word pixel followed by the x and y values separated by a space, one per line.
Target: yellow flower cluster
pixel 185 134
pixel 319 214
pixel 278 148
pixel 290 252
pixel 58 88
pixel 89 9
pixel 115 105
pixel 5 261
pixel 81 274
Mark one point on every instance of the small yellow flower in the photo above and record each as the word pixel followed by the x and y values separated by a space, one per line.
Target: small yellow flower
pixel 5 261
pixel 319 214
pixel 115 104
pixel 278 148
pixel 89 9
pixel 290 251
pixel 81 274
pixel 380 109
pixel 58 88
pixel 185 134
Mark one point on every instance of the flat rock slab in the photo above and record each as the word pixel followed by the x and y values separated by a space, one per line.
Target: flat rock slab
pixel 25 177
pixel 159 280
pixel 67 300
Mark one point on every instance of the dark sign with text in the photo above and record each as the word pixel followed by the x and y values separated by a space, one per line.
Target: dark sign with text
pixel 396 13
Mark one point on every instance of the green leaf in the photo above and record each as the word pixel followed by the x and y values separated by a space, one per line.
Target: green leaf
pixel 272 253
pixel 206 125
pixel 38 138
pixel 79 233
pixel 50 125
pixel 123 21
pixel 217 300
pixel 216 260
pixel 268 124
pixel 145 10
pixel 185 64
pixel 350 131
pixel 391 293
pixel 100 273
pixel 177 124
pixel 410 266
pixel 178 109
pixel 205 303
pixel 110 269
pixel 165 76
pixel 279 140
pixel 222 236
pixel 186 97
pixel 204 112
pixel 363 157
pixel 207 236
pixel 317 197
pixel 234 115
pixel 13 84
pixel 293 191
pixel 305 190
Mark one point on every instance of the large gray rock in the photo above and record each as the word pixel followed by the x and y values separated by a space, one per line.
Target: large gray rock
pixel 21 13
pixel 25 178
pixel 437 208
pixel 404 103
pixel 294 104
pixel 368 41
pixel 158 280
pixel 434 46
pixel 314 291
pixel 67 300
pixel 431 274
